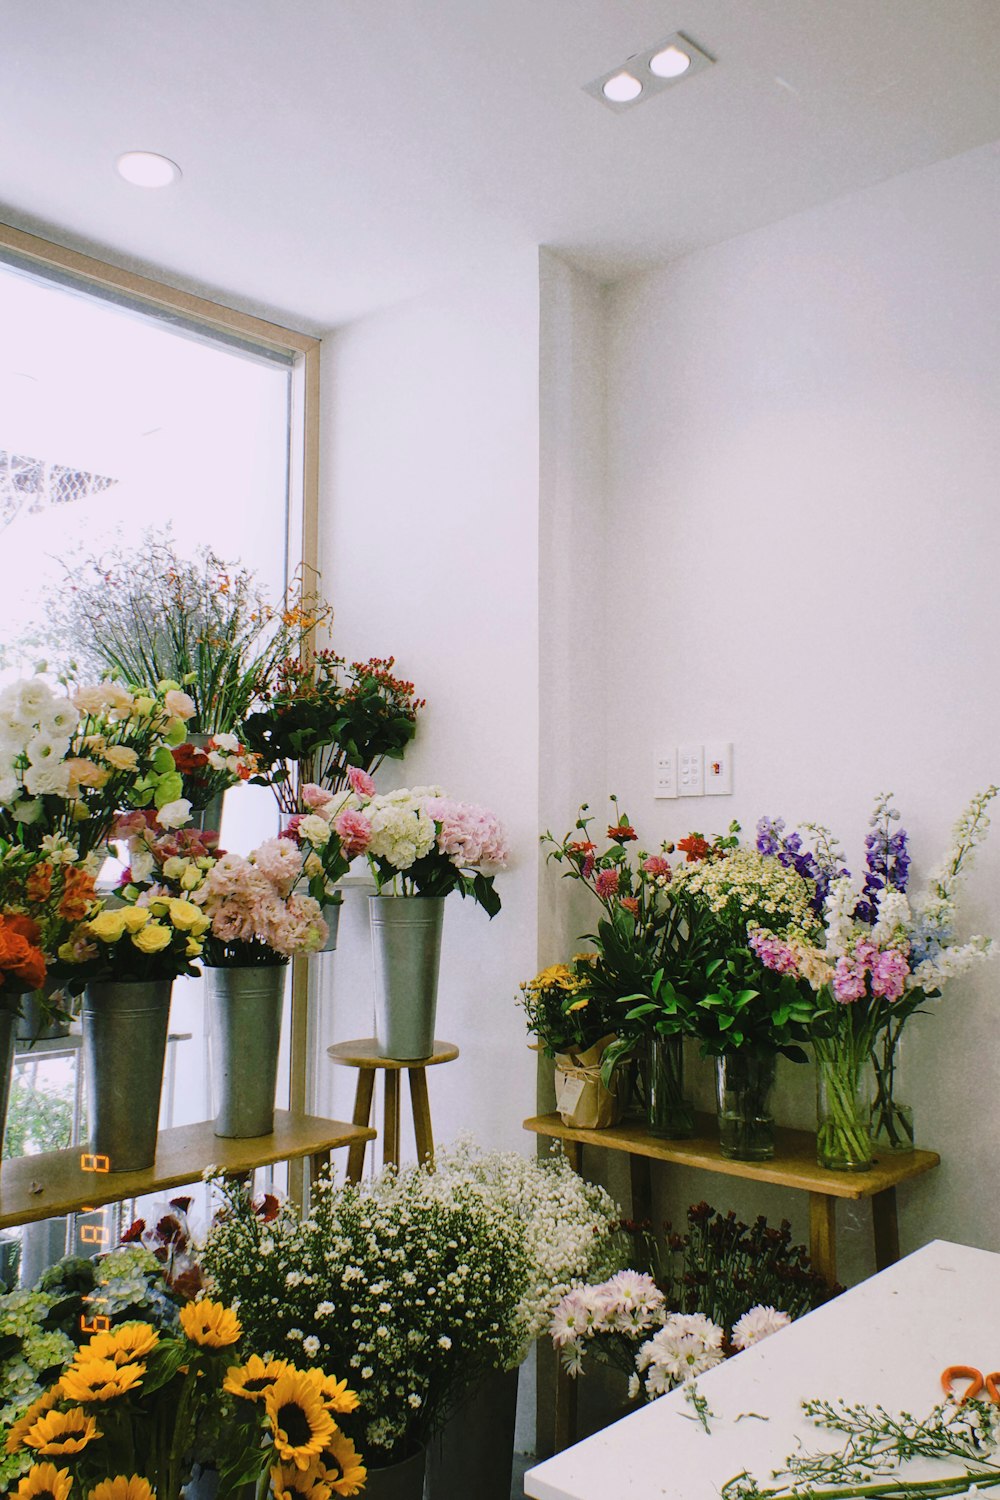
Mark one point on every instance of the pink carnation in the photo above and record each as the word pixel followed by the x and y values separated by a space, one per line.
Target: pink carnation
pixel 587 868
pixel 655 864
pixel 314 796
pixel 361 783
pixel 607 883
pixel 355 832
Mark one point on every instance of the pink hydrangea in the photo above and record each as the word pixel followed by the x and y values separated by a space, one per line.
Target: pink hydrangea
pixel 467 834
pixel 361 783
pixel 355 832
pixel 607 883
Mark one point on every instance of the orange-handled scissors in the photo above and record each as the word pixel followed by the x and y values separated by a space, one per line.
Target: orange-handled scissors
pixel 977 1383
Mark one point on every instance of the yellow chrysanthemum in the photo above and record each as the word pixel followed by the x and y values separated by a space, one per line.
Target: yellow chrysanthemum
pixel 300 1423
pixel 210 1324
pixel 578 1005
pixel 289 1482
pixel 44 1482
pixel 342 1466
pixel 100 1380
pixel 556 976
pixel 60 1433
pixel 129 1341
pixel 120 1488
pixel 336 1396
pixel 44 1403
pixel 251 1380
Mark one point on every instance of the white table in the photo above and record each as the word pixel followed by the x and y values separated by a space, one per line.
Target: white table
pixel 885 1341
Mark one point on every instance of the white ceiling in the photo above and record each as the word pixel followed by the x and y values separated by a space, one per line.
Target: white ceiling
pixel 340 155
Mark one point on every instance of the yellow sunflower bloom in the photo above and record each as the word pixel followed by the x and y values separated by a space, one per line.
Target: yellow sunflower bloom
pixel 121 1488
pixel 336 1396
pixel 44 1482
pixel 342 1466
pixel 289 1482
pixel 300 1423
pixel 123 1344
pixel 251 1380
pixel 44 1403
pixel 100 1380
pixel 59 1433
pixel 210 1324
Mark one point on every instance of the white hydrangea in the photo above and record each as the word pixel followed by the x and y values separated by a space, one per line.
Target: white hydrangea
pixel 402 832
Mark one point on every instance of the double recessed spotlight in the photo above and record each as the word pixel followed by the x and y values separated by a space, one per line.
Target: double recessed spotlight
pixel 648 72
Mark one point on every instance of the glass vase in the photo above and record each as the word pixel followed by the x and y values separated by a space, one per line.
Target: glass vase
pixel 669 1113
pixel 891 1120
pixel 744 1083
pixel 843 1139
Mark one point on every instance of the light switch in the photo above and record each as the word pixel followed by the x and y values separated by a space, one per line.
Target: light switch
pixel 690 771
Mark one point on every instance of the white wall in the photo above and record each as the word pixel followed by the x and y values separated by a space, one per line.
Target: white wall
pixel 803 533
pixel 429 552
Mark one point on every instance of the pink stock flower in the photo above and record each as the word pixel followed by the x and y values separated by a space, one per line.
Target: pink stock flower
pixel 355 832
pixel 773 953
pixel 280 861
pixel 848 982
pixel 291 828
pixel 655 864
pixel 889 973
pixel 361 783
pixel 607 883
pixel 631 905
pixel 587 868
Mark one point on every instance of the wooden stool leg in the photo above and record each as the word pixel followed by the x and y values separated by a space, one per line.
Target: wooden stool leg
pixel 421 1115
pixel 319 1166
pixel 886 1228
pixel 823 1236
pixel 362 1114
pixel 390 1142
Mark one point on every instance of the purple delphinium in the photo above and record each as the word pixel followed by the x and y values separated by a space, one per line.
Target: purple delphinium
pixel 886 857
pixel 789 851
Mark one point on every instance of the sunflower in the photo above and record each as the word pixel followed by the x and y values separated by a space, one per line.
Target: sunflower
pixel 210 1324
pixel 99 1380
pixel 38 1407
pixel 342 1466
pixel 62 1432
pixel 300 1422
pixel 289 1482
pixel 336 1396
pixel 121 1488
pixel 252 1379
pixel 121 1345
pixel 44 1482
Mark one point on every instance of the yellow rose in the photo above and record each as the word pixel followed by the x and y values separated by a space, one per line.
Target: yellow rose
pixel 121 757
pixel 108 926
pixel 174 867
pixel 187 917
pixel 153 938
pixel 67 953
pixel 142 708
pixel 193 947
pixel 135 918
pixel 191 879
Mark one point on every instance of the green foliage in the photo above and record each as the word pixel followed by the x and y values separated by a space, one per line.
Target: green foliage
pixel 37 1119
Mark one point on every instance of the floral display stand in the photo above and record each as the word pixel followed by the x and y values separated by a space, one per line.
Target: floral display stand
pixel 64 1182
pixel 793 1166
pixel 366 1057
pixel 884 1342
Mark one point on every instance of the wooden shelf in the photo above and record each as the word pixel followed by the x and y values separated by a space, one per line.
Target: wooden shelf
pixel 52 1184
pixel 794 1164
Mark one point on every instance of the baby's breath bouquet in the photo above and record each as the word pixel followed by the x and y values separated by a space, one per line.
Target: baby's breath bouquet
pixel 409 1287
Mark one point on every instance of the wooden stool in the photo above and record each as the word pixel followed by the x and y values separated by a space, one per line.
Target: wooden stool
pixel 364 1056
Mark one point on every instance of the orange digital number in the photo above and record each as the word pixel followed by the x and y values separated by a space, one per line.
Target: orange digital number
pixel 91 1163
pixel 97 1324
pixel 93 1234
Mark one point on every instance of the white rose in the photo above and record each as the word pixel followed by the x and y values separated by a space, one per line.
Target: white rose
pixel 174 814
pixel 27 812
pixel 227 742
pixel 142 865
pixel 315 830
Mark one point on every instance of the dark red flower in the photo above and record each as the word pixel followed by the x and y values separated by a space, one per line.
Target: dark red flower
pixel 266 1207
pixel 134 1232
pixel 622 833
pixel 694 846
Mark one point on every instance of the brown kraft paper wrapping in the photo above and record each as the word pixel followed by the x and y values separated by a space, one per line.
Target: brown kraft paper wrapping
pixel 581 1098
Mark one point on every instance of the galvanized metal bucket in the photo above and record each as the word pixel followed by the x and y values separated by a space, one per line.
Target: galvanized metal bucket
pixel 406 948
pixel 473 1453
pixel 8 1028
pixel 124 1043
pixel 331 916
pixel 246 1009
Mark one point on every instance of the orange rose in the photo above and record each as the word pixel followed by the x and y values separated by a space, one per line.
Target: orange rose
pixel 22 964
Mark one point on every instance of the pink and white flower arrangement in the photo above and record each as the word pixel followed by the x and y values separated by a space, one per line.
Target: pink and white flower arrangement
pixel 333 833
pixel 423 843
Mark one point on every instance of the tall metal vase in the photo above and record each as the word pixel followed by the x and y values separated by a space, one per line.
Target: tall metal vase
pixel 246 1009
pixel 473 1453
pixel 406 948
pixel 8 1028
pixel 404 1481
pixel 124 1045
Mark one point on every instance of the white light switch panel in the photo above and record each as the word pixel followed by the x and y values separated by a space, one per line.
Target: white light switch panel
pixel 718 768
pixel 690 771
pixel 665 773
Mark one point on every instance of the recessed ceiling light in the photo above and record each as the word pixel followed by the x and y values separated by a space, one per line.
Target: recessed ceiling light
pixel 622 88
pixel 650 72
pixel 670 63
pixel 147 169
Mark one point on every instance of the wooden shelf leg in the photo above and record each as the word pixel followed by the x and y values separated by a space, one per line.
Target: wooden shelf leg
pixel 421 1106
pixel 641 1176
pixel 319 1166
pixel 886 1228
pixel 362 1114
pixel 823 1235
pixel 390 1142
pixel 566 1409
pixel 573 1152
